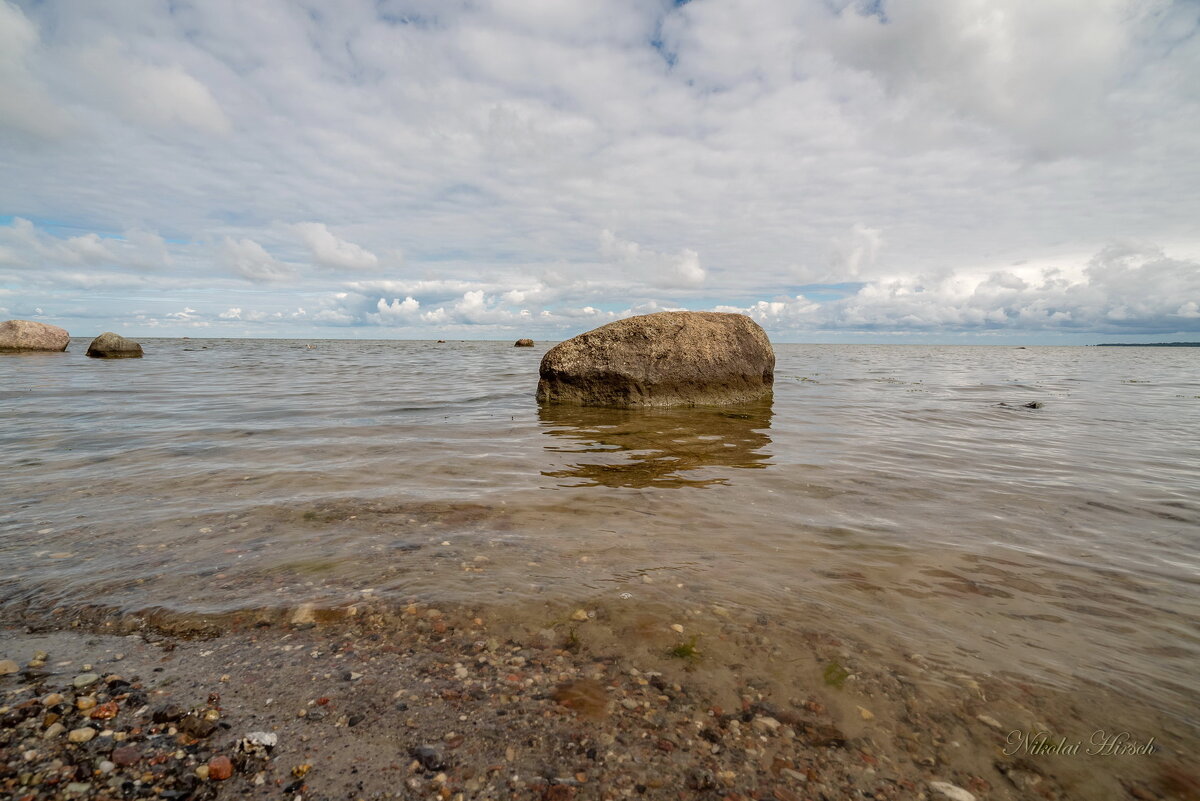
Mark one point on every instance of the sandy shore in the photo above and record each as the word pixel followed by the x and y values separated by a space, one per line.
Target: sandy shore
pixel 547 703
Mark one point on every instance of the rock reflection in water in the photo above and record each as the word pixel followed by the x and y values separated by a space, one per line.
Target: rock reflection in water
pixel 641 448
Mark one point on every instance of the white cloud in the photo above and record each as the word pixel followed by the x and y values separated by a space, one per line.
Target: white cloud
pixel 657 269
pixel 23 244
pixel 933 167
pixel 329 251
pixel 251 261
pixel 1122 288
pixel 148 94
pixel 26 105
pixel 1006 64
pixel 398 311
pixel 855 252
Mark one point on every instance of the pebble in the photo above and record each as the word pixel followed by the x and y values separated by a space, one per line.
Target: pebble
pixel 81 735
pixel 305 613
pixel 220 768
pixel 677 628
pixel 766 724
pixel 53 699
pixel 78 788
pixel 85 680
pixel 264 739
pixel 52 731
pixel 865 713
pixel 8 666
pixel 106 766
pixel 988 720
pixel 125 755
pixel 580 615
pixel 84 702
pixel 950 791
pixel 429 756
pixel 202 772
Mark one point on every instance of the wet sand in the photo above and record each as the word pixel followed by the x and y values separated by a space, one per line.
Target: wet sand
pixel 545 702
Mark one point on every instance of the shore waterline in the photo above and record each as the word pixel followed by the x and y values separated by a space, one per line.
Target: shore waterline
pixel 885 494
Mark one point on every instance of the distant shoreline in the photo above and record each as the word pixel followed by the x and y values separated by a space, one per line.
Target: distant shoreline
pixel 1148 345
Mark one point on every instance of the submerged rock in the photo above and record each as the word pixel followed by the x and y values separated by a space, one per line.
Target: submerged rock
pixel 523 343
pixel 112 346
pixel 663 359
pixel 430 757
pixel 25 335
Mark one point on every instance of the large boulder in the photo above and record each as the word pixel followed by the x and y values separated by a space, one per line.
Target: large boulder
pixel 523 343
pixel 25 335
pixel 112 346
pixel 664 359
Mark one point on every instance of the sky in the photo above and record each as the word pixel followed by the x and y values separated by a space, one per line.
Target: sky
pixel 975 171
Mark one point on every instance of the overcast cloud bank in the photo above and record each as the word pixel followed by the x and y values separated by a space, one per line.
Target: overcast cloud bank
pixel 855 171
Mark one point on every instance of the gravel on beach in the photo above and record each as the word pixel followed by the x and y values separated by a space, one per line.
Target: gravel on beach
pixel 443 704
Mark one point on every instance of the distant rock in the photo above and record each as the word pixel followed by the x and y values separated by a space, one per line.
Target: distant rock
pixel 111 346
pixel 17 336
pixel 663 359
pixel 523 343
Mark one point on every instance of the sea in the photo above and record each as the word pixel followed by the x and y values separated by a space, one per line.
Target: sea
pixel 1032 513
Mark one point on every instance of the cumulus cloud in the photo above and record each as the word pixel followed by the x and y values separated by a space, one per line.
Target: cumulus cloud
pixel 329 251
pixel 1123 288
pixel 23 244
pixel 398 311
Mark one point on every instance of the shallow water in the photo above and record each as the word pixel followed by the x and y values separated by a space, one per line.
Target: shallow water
pixel 900 495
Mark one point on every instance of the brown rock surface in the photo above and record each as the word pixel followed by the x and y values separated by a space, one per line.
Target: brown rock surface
pixel 112 346
pixel 523 343
pixel 25 335
pixel 663 359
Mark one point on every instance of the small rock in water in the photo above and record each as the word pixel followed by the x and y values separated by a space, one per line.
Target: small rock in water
pixel 220 768
pixel 305 613
pixel 85 680
pixel 113 346
pixel 865 713
pixel 197 727
pixel 125 756
pixel 429 756
pixel 950 791
pixel 258 743
pixel 202 772
pixel 53 730
pixel 8 666
pixel 987 720
pixel 168 714
pixel 106 766
pixel 579 614
pixel 766 724
pixel 81 735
